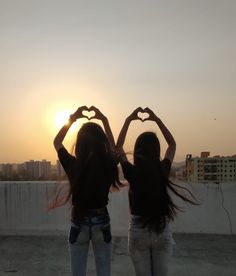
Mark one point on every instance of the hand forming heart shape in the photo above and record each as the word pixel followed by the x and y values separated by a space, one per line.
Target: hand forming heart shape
pixel 143 115
pixel 89 114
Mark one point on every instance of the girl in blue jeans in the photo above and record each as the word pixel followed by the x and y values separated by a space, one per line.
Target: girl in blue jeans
pixel 91 173
pixel 151 207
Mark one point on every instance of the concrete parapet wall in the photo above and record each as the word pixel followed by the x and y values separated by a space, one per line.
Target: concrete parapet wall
pixel 22 210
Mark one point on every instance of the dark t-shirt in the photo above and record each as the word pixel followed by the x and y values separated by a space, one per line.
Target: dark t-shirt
pixel 142 192
pixel 92 187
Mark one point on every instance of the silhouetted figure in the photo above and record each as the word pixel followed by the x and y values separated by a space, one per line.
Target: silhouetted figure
pixel 151 207
pixel 91 173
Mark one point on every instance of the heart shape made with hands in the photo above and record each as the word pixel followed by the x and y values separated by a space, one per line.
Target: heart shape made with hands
pixel 88 114
pixel 143 115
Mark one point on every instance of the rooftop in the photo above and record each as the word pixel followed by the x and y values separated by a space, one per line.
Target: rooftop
pixel 194 255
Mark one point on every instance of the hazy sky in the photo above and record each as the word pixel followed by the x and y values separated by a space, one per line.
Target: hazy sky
pixel 175 56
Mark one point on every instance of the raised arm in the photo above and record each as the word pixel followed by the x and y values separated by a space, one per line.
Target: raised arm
pixel 123 133
pixel 170 152
pixel 100 116
pixel 58 140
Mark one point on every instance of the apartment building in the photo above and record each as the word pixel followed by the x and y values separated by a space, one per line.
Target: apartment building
pixel 60 171
pixel 38 169
pixel 211 169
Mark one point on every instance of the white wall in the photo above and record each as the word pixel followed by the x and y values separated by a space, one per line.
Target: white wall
pixel 215 214
pixel 22 210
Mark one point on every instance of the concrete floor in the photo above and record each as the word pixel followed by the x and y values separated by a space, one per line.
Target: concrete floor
pixel 194 255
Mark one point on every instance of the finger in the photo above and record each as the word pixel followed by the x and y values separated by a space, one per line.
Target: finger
pixel 136 110
pixel 147 109
pixel 139 109
pixel 93 117
pixel 84 107
pixel 134 114
pixel 94 108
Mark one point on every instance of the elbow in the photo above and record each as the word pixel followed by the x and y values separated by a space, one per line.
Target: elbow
pixel 174 145
pixel 57 144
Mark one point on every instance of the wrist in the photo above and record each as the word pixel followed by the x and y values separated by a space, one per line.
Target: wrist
pixel 72 119
pixel 158 120
pixel 128 120
pixel 104 120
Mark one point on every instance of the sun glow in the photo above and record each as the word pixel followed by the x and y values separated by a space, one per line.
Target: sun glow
pixel 61 118
pixel 57 114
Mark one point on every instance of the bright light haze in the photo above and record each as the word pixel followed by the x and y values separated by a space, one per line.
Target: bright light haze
pixel 176 57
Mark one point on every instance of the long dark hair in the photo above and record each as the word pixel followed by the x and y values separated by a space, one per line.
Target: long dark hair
pixel 93 154
pixel 160 206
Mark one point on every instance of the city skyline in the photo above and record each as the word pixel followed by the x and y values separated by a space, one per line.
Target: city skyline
pixel 177 57
pixel 203 169
pixel 54 162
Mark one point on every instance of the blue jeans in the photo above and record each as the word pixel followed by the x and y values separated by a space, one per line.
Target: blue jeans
pixel 149 251
pixel 97 230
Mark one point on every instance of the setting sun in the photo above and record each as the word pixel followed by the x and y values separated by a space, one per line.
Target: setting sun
pixel 57 115
pixel 61 118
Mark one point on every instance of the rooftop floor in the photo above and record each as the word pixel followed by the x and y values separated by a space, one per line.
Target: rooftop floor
pixel 194 255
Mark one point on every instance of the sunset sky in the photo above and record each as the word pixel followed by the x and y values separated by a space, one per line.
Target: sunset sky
pixel 177 57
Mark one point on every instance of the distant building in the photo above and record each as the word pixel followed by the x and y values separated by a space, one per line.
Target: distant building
pixel 60 171
pixel 180 173
pixel 45 169
pixel 210 169
pixel 38 169
pixel 7 170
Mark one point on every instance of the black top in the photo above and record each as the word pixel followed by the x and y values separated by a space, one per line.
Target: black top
pixel 141 195
pixel 93 185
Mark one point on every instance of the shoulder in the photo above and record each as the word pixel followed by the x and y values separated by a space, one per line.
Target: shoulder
pixel 65 158
pixel 62 151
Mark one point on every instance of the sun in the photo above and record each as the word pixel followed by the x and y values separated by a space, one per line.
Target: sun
pixel 61 118
pixel 57 116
